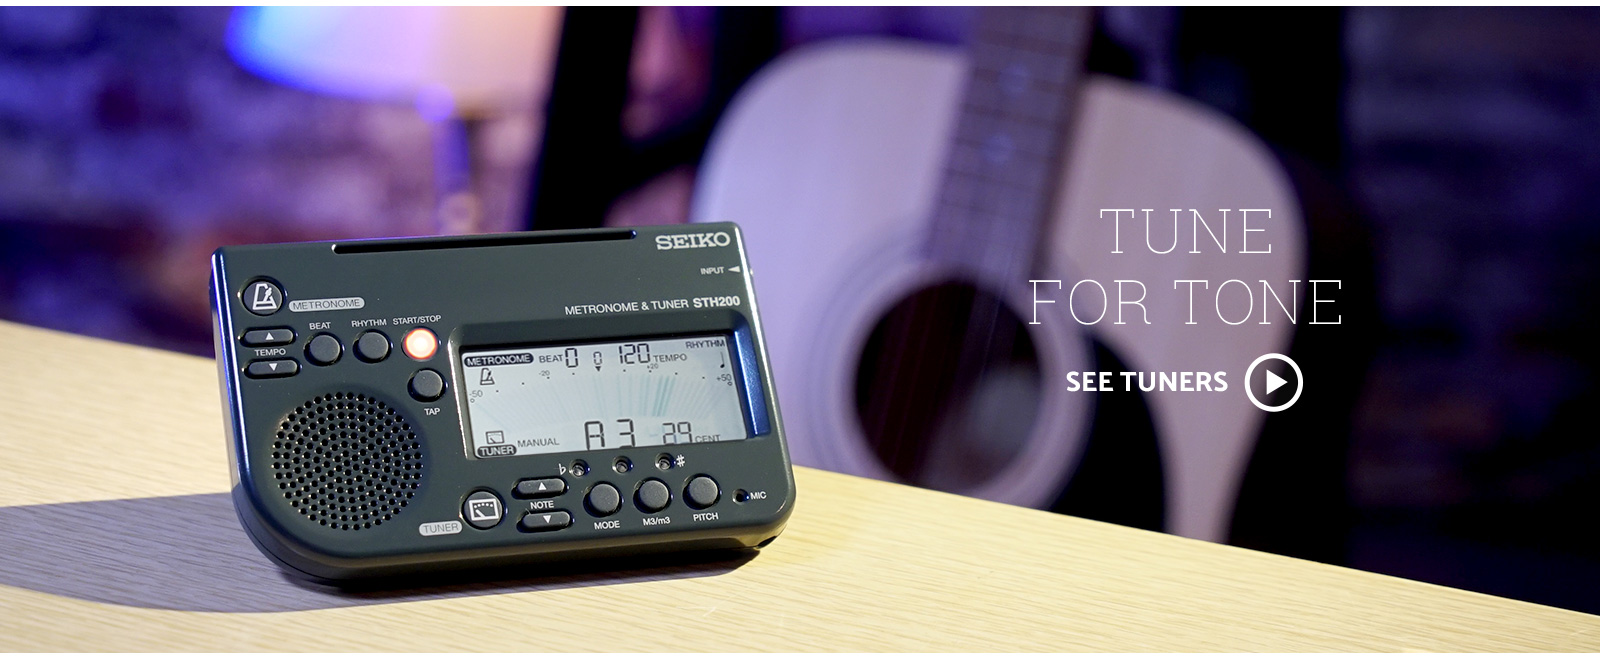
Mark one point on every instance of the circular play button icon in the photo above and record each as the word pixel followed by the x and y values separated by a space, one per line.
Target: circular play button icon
pixel 1272 381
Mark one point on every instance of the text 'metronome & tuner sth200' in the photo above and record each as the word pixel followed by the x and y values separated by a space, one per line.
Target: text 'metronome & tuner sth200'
pixel 405 405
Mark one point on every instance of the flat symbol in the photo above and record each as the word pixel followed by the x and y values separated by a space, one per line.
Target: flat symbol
pixel 487 379
pixel 265 298
pixel 1274 382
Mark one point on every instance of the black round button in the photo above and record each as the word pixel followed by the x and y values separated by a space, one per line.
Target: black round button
pixel 324 349
pixel 483 509
pixel 426 385
pixel 652 496
pixel 701 492
pixel 372 346
pixel 603 500
pixel 262 297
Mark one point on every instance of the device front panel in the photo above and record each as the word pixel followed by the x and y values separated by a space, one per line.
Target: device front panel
pixel 500 399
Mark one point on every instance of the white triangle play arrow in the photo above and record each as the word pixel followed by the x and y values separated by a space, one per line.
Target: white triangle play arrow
pixel 547 517
pixel 541 485
pixel 1274 382
pixel 274 366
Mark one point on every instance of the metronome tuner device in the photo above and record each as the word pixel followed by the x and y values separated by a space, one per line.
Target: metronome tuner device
pixel 405 405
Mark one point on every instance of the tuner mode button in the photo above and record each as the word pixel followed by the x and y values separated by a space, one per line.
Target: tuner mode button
pixel 267 337
pixel 701 492
pixel 324 349
pixel 652 496
pixel 482 509
pixel 372 346
pixel 603 500
pixel 549 487
pixel 272 369
pixel 544 521
pixel 426 385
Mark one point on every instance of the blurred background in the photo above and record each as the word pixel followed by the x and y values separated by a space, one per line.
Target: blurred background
pixel 1446 160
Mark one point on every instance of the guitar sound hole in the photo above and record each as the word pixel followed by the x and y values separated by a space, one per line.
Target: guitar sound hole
pixel 948 387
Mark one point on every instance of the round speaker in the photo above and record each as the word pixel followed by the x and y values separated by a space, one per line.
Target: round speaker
pixel 347 461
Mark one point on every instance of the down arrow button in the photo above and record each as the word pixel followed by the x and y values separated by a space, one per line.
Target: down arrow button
pixel 272 369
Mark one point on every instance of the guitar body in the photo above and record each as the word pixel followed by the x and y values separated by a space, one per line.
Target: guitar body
pixel 830 160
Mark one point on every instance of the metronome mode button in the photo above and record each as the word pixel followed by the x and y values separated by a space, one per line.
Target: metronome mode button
pixel 272 369
pixel 262 297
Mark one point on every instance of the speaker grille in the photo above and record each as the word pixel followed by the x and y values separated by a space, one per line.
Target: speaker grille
pixel 347 461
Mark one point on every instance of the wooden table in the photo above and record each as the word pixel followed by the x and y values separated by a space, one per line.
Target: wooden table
pixel 116 534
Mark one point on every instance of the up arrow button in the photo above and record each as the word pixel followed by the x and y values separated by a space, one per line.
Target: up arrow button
pixel 267 337
pixel 546 487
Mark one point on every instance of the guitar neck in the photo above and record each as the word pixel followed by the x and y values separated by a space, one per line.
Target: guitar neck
pixel 1008 149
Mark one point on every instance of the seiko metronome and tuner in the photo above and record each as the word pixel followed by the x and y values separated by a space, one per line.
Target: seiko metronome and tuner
pixel 405 405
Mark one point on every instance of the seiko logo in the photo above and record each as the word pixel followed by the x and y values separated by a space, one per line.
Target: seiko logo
pixel 692 241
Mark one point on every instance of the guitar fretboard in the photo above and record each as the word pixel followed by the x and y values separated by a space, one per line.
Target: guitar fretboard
pixel 1006 156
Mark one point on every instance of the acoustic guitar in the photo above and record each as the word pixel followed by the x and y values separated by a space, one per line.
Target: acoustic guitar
pixel 898 198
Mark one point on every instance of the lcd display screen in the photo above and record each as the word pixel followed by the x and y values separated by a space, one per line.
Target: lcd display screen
pixel 605 395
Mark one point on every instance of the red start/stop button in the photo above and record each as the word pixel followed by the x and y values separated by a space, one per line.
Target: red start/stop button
pixel 420 343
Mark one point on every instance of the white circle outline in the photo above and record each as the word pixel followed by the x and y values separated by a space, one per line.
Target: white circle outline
pixel 1299 383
